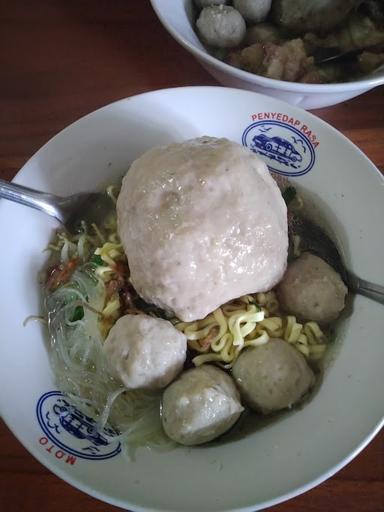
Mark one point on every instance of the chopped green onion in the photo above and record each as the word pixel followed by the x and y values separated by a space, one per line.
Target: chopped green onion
pixel 97 260
pixel 78 313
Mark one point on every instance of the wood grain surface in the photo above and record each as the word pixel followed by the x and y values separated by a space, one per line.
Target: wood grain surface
pixel 59 60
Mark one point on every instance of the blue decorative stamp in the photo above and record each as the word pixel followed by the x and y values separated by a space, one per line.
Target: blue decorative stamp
pixel 284 148
pixel 73 431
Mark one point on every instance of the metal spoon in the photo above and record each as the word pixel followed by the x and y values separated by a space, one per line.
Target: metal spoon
pixel 69 211
pixel 314 239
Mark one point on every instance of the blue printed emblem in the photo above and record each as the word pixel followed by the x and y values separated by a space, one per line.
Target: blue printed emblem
pixel 284 148
pixel 73 431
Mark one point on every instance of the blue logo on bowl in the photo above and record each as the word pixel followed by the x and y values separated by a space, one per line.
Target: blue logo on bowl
pixel 73 431
pixel 284 148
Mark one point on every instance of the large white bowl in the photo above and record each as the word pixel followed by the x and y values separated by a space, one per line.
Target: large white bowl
pixel 177 17
pixel 274 463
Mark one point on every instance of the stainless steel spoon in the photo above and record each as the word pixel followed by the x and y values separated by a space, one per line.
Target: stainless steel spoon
pixel 69 211
pixel 314 239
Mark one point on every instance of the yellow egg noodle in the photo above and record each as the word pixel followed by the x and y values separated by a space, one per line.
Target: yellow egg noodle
pixel 249 321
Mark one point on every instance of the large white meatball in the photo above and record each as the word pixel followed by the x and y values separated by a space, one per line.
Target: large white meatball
pixel 273 376
pixel 200 406
pixel 312 290
pixel 253 11
pixel 221 26
pixel 202 222
pixel 145 352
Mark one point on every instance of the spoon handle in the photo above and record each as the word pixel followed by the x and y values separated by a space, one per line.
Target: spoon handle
pixel 370 290
pixel 29 197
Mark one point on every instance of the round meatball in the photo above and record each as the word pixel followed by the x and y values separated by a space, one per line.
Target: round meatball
pixel 202 222
pixel 221 26
pixel 206 3
pixel 273 376
pixel 145 352
pixel 200 406
pixel 253 11
pixel 312 290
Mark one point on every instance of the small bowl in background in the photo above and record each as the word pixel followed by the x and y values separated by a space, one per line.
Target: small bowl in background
pixel 178 19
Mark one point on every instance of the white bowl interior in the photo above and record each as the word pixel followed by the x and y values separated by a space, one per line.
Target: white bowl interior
pixel 276 462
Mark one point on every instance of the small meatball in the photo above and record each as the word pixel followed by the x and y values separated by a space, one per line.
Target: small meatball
pixel 206 3
pixel 312 290
pixel 200 406
pixel 273 376
pixel 145 352
pixel 221 26
pixel 253 11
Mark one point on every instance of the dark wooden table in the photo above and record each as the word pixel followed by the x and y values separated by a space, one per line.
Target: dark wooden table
pixel 60 59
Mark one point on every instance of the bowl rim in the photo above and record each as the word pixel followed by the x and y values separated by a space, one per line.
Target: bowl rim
pixel 356 85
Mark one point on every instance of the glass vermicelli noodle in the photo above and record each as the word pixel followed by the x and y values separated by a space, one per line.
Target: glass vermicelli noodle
pixel 80 313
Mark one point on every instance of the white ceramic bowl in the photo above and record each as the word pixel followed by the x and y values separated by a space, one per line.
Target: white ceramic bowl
pixel 177 18
pixel 275 463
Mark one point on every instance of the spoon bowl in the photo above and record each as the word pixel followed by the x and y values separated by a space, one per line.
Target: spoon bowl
pixel 71 211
